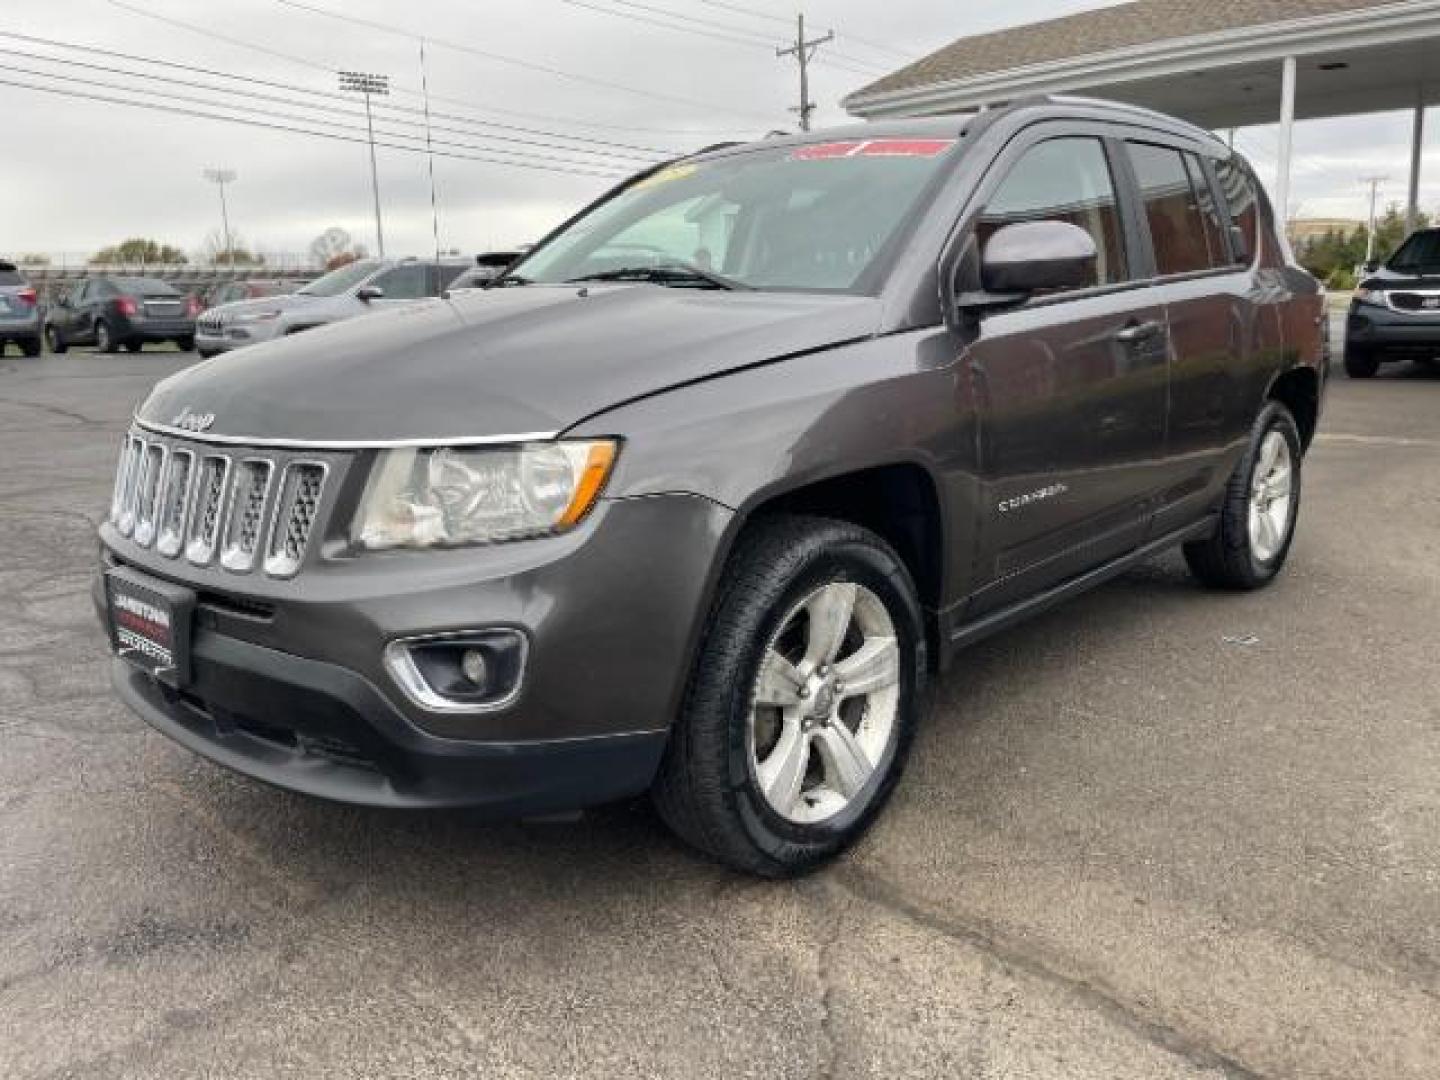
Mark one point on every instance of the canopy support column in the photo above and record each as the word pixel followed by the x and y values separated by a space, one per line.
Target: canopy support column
pixel 1417 146
pixel 1287 141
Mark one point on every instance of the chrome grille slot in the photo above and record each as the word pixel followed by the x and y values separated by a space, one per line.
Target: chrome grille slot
pixel 147 489
pixel 245 509
pixel 174 500
pixel 121 510
pixel 207 509
pixel 294 517
pixel 247 514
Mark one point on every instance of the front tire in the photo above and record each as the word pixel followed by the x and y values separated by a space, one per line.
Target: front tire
pixel 1361 363
pixel 104 341
pixel 55 340
pixel 30 347
pixel 185 344
pixel 1261 507
pixel 803 701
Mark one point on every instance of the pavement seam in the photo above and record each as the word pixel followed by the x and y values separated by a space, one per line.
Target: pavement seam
pixel 1090 991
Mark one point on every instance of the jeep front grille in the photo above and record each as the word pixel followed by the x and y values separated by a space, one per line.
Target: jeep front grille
pixel 244 509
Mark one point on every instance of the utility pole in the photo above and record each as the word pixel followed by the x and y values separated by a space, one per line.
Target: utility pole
pixel 804 51
pixel 1374 182
pixel 430 152
pixel 358 82
pixel 221 177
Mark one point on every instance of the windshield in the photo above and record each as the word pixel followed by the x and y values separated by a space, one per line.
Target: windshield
pixel 341 280
pixel 809 217
pixel 1420 253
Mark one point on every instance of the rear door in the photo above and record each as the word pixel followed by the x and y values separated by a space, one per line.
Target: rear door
pixel 1071 386
pixel 1206 287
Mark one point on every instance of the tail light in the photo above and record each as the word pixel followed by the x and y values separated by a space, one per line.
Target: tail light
pixel 127 306
pixel 28 296
pixel 192 306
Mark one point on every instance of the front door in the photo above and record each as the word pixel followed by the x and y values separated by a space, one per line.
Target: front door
pixel 1071 387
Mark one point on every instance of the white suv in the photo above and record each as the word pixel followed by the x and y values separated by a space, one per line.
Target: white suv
pixel 354 289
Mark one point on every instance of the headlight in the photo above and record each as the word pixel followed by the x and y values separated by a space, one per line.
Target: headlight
pixel 481 495
pixel 1371 296
pixel 255 316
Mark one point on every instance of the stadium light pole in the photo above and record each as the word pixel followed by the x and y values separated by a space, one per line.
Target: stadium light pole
pixel 358 82
pixel 221 177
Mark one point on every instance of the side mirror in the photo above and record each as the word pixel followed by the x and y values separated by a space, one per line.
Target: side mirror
pixel 366 293
pixel 1038 256
pixel 1371 267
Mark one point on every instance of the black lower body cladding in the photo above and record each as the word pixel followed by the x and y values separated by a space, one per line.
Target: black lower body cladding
pixel 293 689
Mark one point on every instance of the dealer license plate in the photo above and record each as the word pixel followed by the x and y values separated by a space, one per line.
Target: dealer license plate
pixel 150 623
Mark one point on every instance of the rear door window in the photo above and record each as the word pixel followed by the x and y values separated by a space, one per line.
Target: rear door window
pixel 10 277
pixel 1172 211
pixel 1066 179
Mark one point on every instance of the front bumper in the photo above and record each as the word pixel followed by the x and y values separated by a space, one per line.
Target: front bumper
pixel 289 685
pixel 324 731
pixel 1370 326
pixel 234 336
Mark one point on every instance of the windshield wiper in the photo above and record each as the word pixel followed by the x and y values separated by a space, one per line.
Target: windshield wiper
pixel 663 274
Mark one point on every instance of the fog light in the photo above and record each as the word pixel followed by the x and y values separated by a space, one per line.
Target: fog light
pixel 474 667
pixel 473 671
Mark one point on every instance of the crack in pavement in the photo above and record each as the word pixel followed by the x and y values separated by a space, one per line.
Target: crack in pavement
pixel 54 410
pixel 1091 992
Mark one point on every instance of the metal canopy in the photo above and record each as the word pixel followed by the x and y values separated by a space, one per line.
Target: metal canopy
pixel 1364 58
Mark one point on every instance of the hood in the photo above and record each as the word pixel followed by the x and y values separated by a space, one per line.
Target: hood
pixel 1399 281
pixel 526 360
pixel 235 308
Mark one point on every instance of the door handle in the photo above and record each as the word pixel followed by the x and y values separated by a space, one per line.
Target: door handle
pixel 1137 332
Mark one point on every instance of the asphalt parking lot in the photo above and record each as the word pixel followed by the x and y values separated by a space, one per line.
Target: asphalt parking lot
pixel 1157 833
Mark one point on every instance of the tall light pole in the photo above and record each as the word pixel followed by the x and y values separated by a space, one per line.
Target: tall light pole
pixel 804 51
pixel 221 177
pixel 358 82
pixel 1374 182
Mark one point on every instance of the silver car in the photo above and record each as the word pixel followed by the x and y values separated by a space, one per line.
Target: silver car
pixel 19 312
pixel 354 289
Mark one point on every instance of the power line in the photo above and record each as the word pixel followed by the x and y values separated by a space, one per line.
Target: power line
pixel 401 88
pixel 234 107
pixel 740 9
pixel 853 64
pixel 804 52
pixel 248 122
pixel 501 58
pixel 624 154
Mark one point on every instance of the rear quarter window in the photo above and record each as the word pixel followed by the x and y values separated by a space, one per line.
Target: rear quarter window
pixel 1237 188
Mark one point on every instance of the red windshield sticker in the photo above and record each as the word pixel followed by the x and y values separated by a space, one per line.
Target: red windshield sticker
pixel 924 148
pixel 824 151
pixel 907 147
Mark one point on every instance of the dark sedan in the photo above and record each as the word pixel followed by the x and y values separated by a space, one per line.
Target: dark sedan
pixel 121 312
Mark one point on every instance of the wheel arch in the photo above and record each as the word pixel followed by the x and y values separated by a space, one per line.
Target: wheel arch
pixel 1298 389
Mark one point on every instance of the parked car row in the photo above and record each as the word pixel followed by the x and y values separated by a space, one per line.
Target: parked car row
pixel 114 312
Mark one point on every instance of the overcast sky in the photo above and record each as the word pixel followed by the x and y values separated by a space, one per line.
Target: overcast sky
pixel 79 174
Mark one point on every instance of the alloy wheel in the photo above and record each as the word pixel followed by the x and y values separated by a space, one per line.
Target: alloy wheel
pixel 1272 497
pixel 825 703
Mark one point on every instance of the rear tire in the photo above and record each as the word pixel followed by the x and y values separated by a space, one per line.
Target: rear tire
pixel 185 344
pixel 104 341
pixel 1261 508
pixel 790 580
pixel 55 340
pixel 134 346
pixel 1361 363
pixel 30 347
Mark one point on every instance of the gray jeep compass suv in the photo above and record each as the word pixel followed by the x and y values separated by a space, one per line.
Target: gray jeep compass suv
pixel 694 498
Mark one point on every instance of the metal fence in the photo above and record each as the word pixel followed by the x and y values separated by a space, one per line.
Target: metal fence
pixel 61 271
